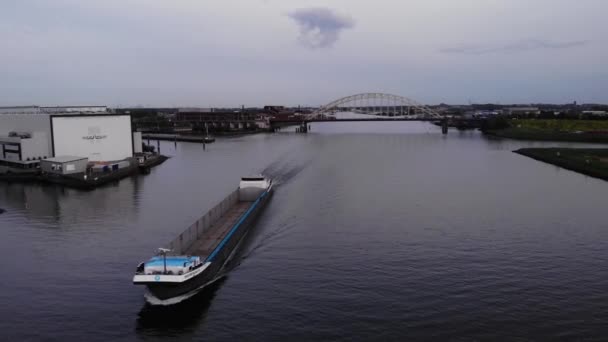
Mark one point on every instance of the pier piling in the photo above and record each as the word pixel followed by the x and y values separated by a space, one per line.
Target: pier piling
pixel 303 128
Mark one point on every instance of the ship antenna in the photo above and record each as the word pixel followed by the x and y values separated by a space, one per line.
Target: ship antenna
pixel 163 252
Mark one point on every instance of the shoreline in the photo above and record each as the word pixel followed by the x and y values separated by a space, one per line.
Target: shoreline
pixel 198 138
pixel 77 182
pixel 592 162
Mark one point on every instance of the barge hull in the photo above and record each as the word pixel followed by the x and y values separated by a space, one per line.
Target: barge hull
pixel 216 244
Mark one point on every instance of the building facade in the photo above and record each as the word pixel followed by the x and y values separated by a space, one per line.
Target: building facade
pixel 27 138
pixel 24 138
pixel 97 137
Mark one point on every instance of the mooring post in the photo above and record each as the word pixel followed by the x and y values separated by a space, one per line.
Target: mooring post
pixel 158 146
pixel 444 126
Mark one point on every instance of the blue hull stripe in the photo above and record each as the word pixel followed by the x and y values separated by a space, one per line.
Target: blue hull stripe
pixel 225 240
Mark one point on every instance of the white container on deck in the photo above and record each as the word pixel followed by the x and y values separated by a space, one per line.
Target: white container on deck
pixel 250 188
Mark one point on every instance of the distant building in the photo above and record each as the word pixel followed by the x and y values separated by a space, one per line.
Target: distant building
pixel 485 113
pixel 194 110
pixel 54 110
pixel 274 109
pixel 213 116
pixel 279 113
pixel 598 113
pixel 513 111
pixel 75 109
pixel 20 110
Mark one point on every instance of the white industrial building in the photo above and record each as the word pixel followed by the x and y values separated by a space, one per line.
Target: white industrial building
pixel 24 138
pixel 99 138
pixel 27 138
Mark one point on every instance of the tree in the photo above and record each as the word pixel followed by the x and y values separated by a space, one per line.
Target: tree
pixel 494 123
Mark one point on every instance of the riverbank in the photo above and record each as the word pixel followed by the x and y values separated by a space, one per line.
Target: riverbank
pixel 587 131
pixel 588 161
pixel 548 135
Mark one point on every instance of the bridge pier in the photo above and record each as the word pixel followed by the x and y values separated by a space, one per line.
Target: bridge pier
pixel 303 128
pixel 444 126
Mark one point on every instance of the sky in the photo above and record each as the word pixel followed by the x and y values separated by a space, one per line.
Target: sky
pixel 228 53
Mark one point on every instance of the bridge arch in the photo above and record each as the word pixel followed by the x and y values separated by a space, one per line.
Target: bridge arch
pixel 376 104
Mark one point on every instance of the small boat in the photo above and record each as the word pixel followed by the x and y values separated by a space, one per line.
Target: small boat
pixel 197 256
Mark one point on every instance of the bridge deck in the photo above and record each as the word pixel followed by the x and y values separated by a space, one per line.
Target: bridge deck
pixel 295 121
pixel 205 244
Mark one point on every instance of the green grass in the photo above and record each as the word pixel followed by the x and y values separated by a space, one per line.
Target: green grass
pixel 548 135
pixel 590 131
pixel 562 125
pixel 591 162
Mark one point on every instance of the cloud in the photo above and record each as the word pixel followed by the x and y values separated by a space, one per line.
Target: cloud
pixel 520 46
pixel 320 27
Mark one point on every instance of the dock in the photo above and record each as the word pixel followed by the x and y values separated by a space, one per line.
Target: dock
pixel 174 137
pixel 77 180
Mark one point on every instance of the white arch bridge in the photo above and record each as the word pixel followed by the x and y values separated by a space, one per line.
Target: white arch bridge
pixel 379 107
pixel 377 104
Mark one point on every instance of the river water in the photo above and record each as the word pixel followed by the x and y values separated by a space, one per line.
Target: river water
pixel 377 231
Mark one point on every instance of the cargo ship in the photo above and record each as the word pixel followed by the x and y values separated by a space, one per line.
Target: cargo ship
pixel 197 256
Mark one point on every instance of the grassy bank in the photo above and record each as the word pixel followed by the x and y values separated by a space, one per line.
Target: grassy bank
pixel 591 162
pixel 548 135
pixel 589 131
pixel 562 125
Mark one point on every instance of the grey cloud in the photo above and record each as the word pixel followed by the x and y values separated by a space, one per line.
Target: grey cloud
pixel 521 46
pixel 320 27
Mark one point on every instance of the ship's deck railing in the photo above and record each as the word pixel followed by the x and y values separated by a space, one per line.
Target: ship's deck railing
pixel 181 243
